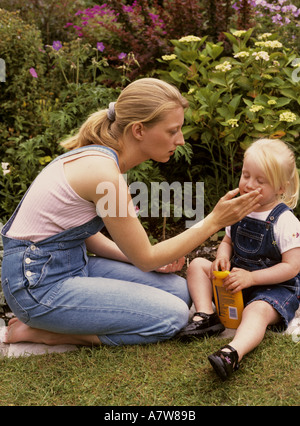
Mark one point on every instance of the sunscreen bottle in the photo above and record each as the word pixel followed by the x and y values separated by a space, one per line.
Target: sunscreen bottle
pixel 229 306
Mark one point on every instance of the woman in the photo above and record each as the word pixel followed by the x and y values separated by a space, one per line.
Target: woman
pixel 60 295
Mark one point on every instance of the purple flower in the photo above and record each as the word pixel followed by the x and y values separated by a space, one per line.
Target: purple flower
pixel 100 46
pixel 33 73
pixel 122 55
pixel 57 45
pixel 276 18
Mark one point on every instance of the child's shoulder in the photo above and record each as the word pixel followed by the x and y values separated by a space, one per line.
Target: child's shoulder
pixel 287 231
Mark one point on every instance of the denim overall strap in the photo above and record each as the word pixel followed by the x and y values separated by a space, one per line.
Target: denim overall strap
pixel 254 242
pixel 100 148
pixel 276 212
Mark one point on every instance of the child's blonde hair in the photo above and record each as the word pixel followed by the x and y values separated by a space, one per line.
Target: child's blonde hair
pixel 277 160
pixel 147 100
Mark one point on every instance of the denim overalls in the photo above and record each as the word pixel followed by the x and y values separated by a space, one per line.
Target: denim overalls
pixel 53 285
pixel 254 248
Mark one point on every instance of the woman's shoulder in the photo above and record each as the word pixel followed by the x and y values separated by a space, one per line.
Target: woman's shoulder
pixel 84 173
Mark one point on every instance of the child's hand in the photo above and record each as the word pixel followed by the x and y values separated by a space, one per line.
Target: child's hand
pixel 172 267
pixel 220 264
pixel 237 280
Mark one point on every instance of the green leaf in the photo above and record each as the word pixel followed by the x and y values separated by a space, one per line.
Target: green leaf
pixel 235 102
pixel 189 131
pixel 244 83
pixel 231 38
pixel 176 76
pixel 289 93
pixel 281 102
pixel 219 81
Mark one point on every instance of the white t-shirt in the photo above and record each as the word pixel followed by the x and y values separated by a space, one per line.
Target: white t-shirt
pixel 286 229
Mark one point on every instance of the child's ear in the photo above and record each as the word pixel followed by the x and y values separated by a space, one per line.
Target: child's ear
pixel 282 189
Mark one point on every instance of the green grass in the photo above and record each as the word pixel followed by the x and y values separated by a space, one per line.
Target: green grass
pixel 165 374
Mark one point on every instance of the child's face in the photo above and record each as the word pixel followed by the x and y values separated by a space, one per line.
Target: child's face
pixel 252 178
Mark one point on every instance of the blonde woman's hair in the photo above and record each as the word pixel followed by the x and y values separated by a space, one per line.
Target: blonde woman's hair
pixel 147 100
pixel 277 160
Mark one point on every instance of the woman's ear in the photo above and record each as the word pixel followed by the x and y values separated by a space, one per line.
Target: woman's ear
pixel 138 130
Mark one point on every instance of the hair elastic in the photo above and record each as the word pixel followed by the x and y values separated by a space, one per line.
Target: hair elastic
pixel 111 114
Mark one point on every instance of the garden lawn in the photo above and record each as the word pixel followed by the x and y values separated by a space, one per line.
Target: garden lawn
pixel 164 374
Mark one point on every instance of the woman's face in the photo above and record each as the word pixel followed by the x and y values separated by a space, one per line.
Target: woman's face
pixel 160 141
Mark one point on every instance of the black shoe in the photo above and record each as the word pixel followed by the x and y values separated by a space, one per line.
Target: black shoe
pixel 208 326
pixel 224 363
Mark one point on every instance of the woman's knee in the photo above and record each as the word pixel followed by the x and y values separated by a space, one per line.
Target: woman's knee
pixel 176 317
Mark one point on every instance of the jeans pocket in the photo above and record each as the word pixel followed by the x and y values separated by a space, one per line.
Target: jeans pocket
pixel 248 241
pixel 12 302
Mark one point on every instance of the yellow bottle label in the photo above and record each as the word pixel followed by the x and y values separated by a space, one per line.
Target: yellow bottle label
pixel 229 306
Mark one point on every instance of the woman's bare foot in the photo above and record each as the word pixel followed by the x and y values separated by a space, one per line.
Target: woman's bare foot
pixel 20 332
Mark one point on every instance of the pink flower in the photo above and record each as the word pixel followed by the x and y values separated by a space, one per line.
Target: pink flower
pixel 122 55
pixel 33 73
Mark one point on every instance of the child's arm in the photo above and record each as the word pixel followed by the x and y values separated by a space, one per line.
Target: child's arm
pixel 286 270
pixel 223 256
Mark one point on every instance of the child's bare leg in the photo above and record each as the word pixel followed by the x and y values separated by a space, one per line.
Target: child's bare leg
pixel 256 317
pixel 255 320
pixel 204 322
pixel 200 286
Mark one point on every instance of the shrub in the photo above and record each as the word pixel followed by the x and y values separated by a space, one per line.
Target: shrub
pixel 233 101
pixel 282 15
pixel 123 29
pixel 143 28
pixel 49 16
pixel 25 159
pixel 21 49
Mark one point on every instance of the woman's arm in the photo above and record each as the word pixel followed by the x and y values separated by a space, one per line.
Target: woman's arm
pixel 127 231
pixel 102 246
pixel 133 241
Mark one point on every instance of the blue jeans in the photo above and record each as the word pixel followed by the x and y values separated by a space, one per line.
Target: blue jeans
pixel 53 285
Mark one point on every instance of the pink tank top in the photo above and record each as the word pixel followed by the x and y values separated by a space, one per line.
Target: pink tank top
pixel 51 205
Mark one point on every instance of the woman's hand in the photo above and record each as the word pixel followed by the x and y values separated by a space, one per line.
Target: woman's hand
pixel 230 210
pixel 172 267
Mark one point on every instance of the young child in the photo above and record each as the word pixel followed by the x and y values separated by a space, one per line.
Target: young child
pixel 263 253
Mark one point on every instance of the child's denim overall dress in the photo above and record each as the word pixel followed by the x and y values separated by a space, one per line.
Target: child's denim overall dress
pixel 255 247
pixel 53 285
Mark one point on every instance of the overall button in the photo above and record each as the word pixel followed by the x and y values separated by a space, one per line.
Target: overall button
pixel 33 247
pixel 28 260
pixel 28 274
